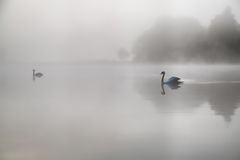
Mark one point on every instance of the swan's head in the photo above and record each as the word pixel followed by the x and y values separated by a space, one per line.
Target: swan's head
pixel 163 72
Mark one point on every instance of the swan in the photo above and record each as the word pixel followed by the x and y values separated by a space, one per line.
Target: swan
pixel 38 74
pixel 173 81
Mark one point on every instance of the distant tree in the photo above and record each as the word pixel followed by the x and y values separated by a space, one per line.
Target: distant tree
pixel 185 40
pixel 123 54
pixel 170 39
pixel 224 26
pixel 224 33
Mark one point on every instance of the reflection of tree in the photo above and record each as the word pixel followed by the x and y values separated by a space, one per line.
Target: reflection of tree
pixel 223 98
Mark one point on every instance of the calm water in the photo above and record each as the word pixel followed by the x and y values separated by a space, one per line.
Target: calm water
pixel 113 112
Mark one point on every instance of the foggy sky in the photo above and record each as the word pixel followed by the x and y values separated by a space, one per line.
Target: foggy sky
pixel 76 30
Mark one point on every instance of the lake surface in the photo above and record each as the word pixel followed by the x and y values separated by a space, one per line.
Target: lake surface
pixel 117 112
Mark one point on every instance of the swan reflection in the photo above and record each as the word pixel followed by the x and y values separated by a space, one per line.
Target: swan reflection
pixel 174 86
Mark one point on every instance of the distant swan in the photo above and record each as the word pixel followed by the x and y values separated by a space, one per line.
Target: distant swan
pixel 171 81
pixel 38 74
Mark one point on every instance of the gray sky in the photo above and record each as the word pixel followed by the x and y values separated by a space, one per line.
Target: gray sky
pixel 73 30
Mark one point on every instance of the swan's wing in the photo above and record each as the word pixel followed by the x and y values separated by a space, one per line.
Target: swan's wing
pixel 173 79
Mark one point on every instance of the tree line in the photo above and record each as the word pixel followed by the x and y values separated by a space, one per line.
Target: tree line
pixel 186 40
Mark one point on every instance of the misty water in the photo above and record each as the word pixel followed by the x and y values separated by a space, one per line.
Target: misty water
pixel 118 112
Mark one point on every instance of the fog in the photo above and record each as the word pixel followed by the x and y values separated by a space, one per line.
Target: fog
pixel 80 80
pixel 186 40
pixel 117 112
pixel 83 30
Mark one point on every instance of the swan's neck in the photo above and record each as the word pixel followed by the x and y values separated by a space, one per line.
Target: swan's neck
pixel 163 78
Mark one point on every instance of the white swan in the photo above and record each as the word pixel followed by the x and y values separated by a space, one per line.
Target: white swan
pixel 170 81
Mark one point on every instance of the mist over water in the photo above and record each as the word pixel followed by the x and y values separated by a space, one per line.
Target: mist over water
pixel 82 80
pixel 118 112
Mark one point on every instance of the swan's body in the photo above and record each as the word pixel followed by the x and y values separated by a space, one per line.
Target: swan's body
pixel 171 81
pixel 38 74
